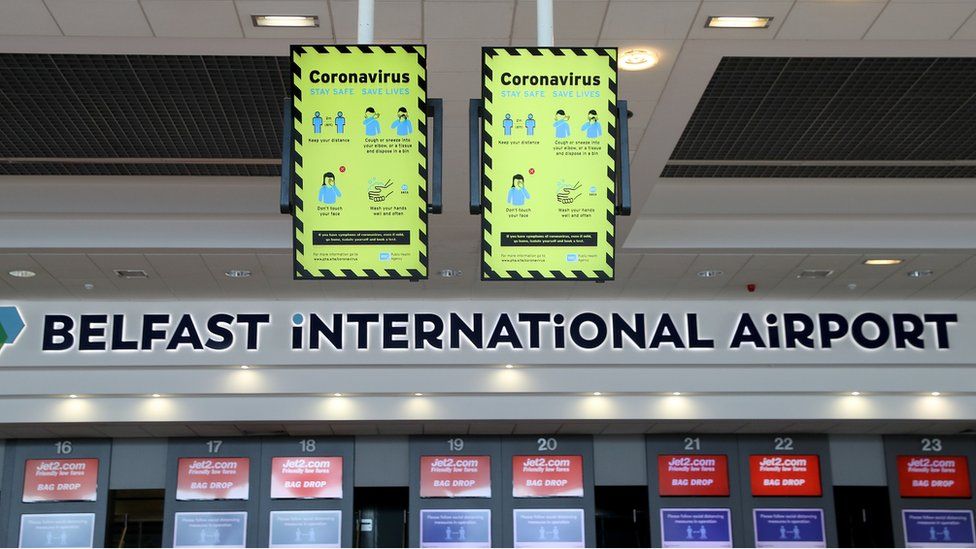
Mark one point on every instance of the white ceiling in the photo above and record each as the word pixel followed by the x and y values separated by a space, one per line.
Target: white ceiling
pixel 756 232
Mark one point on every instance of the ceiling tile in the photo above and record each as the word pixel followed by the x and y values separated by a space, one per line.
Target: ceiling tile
pixel 394 21
pixel 968 30
pixel 829 20
pixel 68 265
pixel 247 8
pixel 457 19
pixel 920 20
pixel 193 18
pixel 100 17
pixel 575 22
pixel 26 17
pixel 777 9
pixel 644 20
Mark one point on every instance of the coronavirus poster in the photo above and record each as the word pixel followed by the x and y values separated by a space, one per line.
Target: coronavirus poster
pixel 549 162
pixel 360 161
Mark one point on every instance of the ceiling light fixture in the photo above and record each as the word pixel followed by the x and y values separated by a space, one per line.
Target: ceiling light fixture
pixel 509 366
pixel 337 394
pixel 245 367
pixel 883 262
pixel 920 273
pixel 856 393
pixel 156 395
pixel 637 59
pixel 737 22
pixel 22 273
pixel 72 396
pixel 285 20
pixel 935 393
pixel 418 394
pixel 450 273
pixel 597 393
pixel 676 393
pixel 710 274
pixel 238 273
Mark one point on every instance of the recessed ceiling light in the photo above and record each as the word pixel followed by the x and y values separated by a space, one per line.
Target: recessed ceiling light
pixel 935 393
pixel 156 395
pixel 238 273
pixel 597 393
pixel 883 262
pixel 509 366
pixel 710 274
pixel 737 22
pixel 72 396
pixel 920 273
pixel 637 59
pixel 22 273
pixel 676 393
pixel 285 20
pixel 337 394
pixel 856 393
pixel 418 394
pixel 245 367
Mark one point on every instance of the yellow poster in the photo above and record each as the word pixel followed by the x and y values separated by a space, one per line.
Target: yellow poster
pixel 360 162
pixel 549 161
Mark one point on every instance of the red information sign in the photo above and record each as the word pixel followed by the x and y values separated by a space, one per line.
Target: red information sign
pixel 455 476
pixel 933 477
pixel 306 478
pixel 210 478
pixel 693 475
pixel 60 480
pixel 785 475
pixel 547 476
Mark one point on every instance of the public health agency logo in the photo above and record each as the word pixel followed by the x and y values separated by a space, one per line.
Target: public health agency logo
pixel 11 324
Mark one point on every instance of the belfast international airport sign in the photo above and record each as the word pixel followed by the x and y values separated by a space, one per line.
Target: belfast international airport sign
pixel 93 333
pixel 360 162
pixel 549 163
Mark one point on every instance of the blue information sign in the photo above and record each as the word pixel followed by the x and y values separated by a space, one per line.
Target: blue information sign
pixel 57 530
pixel 696 528
pixel 549 528
pixel 224 529
pixel 455 528
pixel 305 529
pixel 789 527
pixel 938 528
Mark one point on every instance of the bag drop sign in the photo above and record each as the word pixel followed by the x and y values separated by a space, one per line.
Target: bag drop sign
pixel 693 475
pixel 455 476
pixel 933 476
pixel 212 478
pixel 60 480
pixel 306 477
pixel 785 475
pixel 547 476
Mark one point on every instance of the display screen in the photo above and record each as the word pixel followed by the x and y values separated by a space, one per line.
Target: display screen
pixel 933 476
pixel 693 475
pixel 306 477
pixel 212 478
pixel 360 161
pixel 549 163
pixel 785 475
pixel 60 480
pixel 547 476
pixel 455 476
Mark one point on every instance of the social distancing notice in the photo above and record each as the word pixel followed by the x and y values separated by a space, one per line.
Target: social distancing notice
pixel 360 162
pixel 549 163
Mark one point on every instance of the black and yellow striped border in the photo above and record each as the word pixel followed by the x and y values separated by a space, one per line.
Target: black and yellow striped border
pixel 301 272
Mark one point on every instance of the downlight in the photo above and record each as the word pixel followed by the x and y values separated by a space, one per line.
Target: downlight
pixel 637 59
pixel 709 273
pixel 920 273
pixel 883 262
pixel 22 273
pixel 238 273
